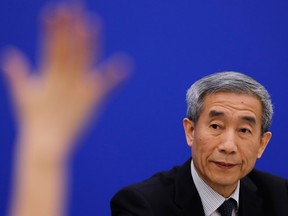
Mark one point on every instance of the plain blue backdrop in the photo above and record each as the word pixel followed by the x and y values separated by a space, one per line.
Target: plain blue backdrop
pixel 173 43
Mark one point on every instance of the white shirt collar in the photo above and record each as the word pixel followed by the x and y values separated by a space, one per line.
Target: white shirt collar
pixel 211 200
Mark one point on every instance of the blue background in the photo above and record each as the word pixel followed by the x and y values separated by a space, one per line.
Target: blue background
pixel 173 44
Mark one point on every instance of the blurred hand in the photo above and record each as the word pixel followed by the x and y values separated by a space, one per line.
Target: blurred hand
pixel 54 103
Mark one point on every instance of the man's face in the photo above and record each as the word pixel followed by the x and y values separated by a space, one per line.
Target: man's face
pixel 226 141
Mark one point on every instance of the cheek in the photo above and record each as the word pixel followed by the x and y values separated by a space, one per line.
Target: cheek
pixel 202 148
pixel 249 155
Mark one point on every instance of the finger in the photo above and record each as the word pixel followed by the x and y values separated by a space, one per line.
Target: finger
pixel 86 44
pixel 16 68
pixel 114 72
pixel 56 42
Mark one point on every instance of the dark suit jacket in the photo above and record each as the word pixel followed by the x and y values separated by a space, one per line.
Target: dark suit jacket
pixel 173 193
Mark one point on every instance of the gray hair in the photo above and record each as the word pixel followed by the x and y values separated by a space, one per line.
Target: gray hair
pixel 228 82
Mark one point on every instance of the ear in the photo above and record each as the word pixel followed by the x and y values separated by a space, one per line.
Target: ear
pixel 189 128
pixel 263 143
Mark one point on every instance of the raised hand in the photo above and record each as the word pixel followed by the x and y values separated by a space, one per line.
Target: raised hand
pixel 70 82
pixel 53 102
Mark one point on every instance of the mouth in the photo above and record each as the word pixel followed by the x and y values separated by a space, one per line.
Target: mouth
pixel 224 165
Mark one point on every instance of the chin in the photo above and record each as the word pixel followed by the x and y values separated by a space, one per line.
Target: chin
pixel 225 180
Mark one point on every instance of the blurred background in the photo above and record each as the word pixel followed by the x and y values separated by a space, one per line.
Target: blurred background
pixel 173 44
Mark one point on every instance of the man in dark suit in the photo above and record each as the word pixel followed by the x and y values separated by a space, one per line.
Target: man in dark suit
pixel 227 128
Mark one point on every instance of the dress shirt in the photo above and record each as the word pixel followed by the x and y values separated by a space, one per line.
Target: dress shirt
pixel 211 200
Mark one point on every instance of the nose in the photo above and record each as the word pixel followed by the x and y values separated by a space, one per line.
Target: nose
pixel 228 143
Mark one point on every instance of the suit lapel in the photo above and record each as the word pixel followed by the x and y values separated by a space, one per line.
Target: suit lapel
pixel 250 202
pixel 186 194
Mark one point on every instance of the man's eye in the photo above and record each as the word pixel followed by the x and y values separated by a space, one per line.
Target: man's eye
pixel 214 126
pixel 244 130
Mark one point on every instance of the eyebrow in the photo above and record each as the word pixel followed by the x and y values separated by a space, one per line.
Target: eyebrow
pixel 249 119
pixel 215 113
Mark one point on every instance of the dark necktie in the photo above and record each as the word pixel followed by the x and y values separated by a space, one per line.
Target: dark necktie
pixel 227 207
